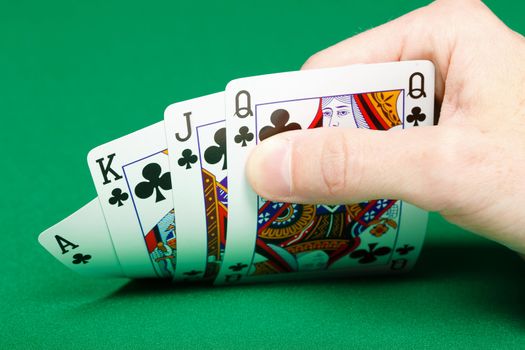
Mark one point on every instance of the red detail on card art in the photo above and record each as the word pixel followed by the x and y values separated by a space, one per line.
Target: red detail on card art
pixel 151 240
pixel 318 120
pixel 373 119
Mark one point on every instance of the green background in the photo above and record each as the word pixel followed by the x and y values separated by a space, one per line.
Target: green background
pixel 74 75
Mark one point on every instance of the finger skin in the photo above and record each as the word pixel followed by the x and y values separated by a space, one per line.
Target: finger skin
pixel 428 33
pixel 336 165
pixel 470 168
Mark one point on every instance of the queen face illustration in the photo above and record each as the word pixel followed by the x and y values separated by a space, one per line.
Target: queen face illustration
pixel 337 111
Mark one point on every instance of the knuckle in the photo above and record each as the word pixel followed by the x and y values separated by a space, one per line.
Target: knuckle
pixel 456 149
pixel 336 164
pixel 443 159
pixel 313 61
pixel 453 164
pixel 300 185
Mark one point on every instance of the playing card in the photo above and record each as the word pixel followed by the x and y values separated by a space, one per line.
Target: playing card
pixel 82 242
pixel 266 239
pixel 196 136
pixel 131 175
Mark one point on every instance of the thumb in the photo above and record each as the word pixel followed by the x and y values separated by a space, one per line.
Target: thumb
pixel 339 165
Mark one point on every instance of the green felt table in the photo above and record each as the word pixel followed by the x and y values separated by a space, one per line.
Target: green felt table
pixel 74 75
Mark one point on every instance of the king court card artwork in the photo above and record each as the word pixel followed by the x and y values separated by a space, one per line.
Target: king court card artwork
pixel 268 240
pixel 132 178
pixel 196 135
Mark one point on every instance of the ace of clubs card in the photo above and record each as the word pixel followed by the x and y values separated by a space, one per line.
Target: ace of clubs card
pixel 82 242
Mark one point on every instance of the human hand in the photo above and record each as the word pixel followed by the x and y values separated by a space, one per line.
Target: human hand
pixel 470 168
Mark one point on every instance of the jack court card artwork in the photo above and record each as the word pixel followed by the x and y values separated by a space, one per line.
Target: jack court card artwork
pixel 196 135
pixel 268 238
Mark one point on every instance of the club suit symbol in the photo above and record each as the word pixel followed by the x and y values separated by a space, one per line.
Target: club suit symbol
pixel 118 197
pixel 416 116
pixel 192 273
pixel 187 158
pixel 155 182
pixel 215 153
pixel 279 118
pixel 404 250
pixel 80 258
pixel 238 267
pixel 369 255
pixel 244 136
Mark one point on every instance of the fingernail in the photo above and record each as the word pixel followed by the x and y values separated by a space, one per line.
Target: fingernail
pixel 268 168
